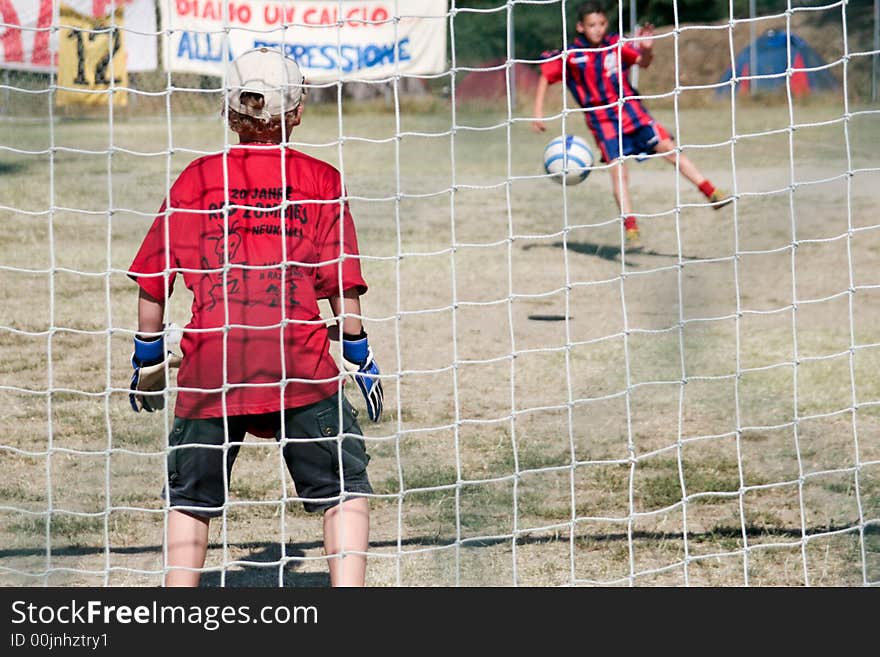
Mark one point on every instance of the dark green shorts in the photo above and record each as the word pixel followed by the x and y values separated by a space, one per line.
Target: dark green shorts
pixel 312 435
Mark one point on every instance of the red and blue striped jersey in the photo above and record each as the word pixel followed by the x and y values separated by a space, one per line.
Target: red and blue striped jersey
pixel 596 76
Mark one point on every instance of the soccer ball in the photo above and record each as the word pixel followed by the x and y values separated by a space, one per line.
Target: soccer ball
pixel 568 158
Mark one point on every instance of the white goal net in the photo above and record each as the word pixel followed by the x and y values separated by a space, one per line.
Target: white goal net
pixel 559 411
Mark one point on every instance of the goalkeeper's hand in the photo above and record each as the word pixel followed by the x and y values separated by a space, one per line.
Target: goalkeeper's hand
pixel 148 360
pixel 357 358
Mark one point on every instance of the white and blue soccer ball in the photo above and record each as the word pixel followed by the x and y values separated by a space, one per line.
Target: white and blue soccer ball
pixel 568 158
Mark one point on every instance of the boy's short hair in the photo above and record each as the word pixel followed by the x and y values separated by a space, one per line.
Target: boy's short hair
pixel 245 124
pixel 590 7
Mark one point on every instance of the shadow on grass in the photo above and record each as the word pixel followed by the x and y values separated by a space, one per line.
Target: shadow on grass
pixel 263 562
pixel 11 167
pixel 608 252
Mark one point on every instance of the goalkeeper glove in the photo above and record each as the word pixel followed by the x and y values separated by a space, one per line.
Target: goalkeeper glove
pixel 357 357
pixel 148 361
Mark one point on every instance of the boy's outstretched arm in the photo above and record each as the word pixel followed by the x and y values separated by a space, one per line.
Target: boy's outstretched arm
pixel 646 45
pixel 538 112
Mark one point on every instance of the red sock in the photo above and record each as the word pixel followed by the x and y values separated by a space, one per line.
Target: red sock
pixel 630 223
pixel 707 188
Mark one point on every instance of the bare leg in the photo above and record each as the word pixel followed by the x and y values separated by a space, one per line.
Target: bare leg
pixel 620 185
pixel 187 546
pixel 348 522
pixel 687 168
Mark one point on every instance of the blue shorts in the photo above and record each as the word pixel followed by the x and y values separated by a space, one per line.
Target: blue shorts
pixel 641 141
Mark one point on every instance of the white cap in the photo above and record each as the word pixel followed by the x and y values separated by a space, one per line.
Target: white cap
pixel 268 72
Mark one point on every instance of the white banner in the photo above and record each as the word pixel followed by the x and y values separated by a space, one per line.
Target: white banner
pixel 141 40
pixel 330 39
pixel 27 32
pixel 29 41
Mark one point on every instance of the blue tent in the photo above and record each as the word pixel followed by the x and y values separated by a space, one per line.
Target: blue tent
pixel 771 58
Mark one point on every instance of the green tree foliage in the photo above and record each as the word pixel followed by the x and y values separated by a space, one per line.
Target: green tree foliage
pixel 480 27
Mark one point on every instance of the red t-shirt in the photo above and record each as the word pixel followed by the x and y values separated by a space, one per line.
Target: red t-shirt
pixel 225 346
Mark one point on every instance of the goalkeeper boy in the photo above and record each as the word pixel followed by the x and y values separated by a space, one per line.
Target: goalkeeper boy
pixel 259 234
pixel 596 69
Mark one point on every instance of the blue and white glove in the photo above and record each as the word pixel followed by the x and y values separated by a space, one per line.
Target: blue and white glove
pixel 147 352
pixel 148 361
pixel 357 357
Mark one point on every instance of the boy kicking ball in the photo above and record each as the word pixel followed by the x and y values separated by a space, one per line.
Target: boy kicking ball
pixel 596 70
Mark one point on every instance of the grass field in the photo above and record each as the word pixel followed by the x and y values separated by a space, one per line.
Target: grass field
pixel 706 412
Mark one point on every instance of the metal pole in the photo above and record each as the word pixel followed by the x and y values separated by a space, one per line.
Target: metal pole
pixel 874 71
pixel 6 91
pixel 511 50
pixel 753 51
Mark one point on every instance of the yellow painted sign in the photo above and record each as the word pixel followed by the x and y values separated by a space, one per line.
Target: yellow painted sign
pixel 91 59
